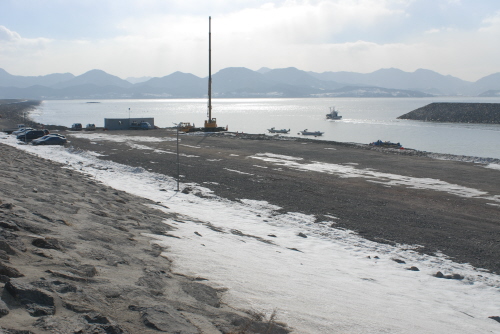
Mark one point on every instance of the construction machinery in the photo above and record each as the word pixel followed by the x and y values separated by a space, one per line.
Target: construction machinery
pixel 211 122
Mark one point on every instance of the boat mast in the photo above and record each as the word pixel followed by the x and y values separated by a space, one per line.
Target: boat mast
pixel 209 70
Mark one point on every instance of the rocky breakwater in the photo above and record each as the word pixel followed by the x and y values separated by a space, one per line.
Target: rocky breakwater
pixel 75 258
pixel 486 113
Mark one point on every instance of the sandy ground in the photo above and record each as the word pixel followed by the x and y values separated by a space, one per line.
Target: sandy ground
pixel 73 259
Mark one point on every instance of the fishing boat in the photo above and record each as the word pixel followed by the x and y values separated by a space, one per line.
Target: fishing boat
pixel 273 130
pixel 333 114
pixel 311 133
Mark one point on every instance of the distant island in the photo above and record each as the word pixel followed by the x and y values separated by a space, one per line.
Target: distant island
pixel 485 113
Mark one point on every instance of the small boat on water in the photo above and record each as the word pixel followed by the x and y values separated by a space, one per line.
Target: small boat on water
pixel 311 133
pixel 333 114
pixel 273 130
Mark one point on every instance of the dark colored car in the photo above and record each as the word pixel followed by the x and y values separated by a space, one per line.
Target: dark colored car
pixel 21 130
pixel 55 139
pixel 32 134
pixel 55 135
pixel 140 126
pixel 76 127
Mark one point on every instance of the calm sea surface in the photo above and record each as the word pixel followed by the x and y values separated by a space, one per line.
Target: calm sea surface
pixel 364 119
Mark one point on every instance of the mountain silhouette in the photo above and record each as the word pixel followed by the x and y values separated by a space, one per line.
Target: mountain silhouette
pixel 238 82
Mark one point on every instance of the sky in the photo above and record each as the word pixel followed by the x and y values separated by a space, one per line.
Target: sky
pixel 135 38
pixel 331 281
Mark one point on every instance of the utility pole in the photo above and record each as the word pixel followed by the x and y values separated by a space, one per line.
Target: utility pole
pixel 178 168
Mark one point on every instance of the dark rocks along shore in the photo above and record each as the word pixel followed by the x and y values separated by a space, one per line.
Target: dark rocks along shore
pixel 487 113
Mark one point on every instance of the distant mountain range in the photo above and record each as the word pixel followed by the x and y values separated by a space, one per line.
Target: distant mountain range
pixel 240 82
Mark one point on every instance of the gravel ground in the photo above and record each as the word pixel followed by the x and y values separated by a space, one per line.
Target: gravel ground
pixel 464 228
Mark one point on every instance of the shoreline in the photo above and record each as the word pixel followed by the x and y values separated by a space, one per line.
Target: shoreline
pixel 405 151
pixel 13 118
pixel 13 112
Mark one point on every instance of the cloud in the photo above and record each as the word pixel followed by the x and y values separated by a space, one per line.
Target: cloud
pixel 439 30
pixel 21 56
pixel 11 40
pixel 157 37
pixel 288 21
pixel 491 24
pixel 8 36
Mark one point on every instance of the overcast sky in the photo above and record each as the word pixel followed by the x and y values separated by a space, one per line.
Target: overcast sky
pixel 134 38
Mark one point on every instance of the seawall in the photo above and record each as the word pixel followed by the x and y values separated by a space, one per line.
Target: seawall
pixel 486 113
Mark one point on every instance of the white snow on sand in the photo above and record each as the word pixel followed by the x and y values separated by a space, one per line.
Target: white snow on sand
pixel 132 141
pixel 325 280
pixel 493 166
pixel 351 171
pixel 97 136
pixel 237 171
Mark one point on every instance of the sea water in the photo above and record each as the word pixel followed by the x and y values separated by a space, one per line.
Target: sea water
pixel 365 120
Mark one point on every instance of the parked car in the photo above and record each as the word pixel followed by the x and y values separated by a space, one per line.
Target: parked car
pixel 90 127
pixel 32 134
pixel 140 126
pixel 55 135
pixel 76 127
pixel 21 130
pixel 52 135
pixel 52 139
